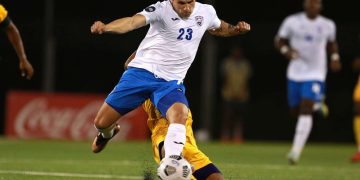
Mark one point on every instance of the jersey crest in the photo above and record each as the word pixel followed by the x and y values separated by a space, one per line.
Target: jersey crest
pixel 199 20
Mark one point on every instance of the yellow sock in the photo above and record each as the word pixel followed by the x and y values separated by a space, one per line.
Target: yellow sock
pixel 357 131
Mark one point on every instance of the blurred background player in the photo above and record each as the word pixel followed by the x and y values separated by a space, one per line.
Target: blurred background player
pixel 8 26
pixel 356 97
pixel 303 38
pixel 160 65
pixel 235 73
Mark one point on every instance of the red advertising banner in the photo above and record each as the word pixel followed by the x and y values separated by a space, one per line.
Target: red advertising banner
pixel 64 116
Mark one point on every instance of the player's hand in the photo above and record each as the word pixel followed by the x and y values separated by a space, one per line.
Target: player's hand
pixel 335 66
pixel 26 69
pixel 98 27
pixel 242 27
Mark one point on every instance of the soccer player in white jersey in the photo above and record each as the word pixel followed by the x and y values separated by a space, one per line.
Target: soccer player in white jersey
pixel 303 38
pixel 160 65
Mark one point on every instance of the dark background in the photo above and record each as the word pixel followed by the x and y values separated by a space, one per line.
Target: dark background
pixel 89 63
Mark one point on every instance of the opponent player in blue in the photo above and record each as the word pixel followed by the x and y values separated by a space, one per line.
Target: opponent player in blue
pixel 303 38
pixel 160 65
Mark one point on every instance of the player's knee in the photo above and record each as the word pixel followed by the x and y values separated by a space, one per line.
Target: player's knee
pixel 306 110
pixel 98 123
pixel 306 107
pixel 101 122
pixel 177 113
pixel 106 117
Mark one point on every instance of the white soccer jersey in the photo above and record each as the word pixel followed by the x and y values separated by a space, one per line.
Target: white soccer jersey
pixel 309 38
pixel 171 43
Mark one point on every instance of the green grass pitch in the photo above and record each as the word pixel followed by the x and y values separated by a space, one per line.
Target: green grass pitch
pixel 48 160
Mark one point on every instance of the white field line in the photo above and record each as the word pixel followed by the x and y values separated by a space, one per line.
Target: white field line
pixel 108 162
pixel 62 174
pixel 288 167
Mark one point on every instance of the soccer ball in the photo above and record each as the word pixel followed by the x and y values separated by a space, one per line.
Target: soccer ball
pixel 174 168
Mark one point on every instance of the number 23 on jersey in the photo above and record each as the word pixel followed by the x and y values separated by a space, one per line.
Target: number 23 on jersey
pixel 185 33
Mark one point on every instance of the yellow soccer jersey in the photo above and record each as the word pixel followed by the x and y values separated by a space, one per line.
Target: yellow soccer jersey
pixel 3 13
pixel 357 91
pixel 159 126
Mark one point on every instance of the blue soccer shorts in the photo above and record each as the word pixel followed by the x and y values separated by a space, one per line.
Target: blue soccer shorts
pixel 298 90
pixel 136 85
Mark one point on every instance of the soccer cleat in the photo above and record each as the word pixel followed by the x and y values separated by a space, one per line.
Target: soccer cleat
pixel 100 142
pixel 356 158
pixel 292 158
pixel 324 110
pixel 321 110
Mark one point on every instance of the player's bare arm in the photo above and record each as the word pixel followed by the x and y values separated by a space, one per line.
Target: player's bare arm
pixel 14 37
pixel 283 46
pixel 335 64
pixel 227 30
pixel 119 26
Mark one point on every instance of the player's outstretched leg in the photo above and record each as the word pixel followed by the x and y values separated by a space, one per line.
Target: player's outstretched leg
pixel 105 124
pixel 303 129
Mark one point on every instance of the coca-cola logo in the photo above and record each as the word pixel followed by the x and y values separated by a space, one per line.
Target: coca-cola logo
pixel 58 117
pixel 37 118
